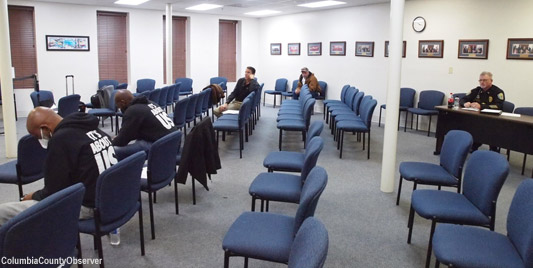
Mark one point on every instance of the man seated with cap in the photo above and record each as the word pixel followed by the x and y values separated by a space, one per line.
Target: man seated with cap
pixel 308 78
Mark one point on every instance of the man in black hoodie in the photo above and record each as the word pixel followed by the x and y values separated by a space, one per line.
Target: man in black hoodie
pixel 143 122
pixel 78 151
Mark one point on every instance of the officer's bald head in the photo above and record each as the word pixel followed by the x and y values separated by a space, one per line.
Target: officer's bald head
pixel 123 99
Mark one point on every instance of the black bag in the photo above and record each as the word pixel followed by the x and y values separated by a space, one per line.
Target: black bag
pixel 97 99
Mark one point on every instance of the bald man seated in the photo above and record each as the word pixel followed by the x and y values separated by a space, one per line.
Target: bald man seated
pixel 78 151
pixel 143 122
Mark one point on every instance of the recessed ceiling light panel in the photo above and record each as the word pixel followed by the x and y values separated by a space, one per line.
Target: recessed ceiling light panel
pixel 203 7
pixel 322 4
pixel 263 12
pixel 130 2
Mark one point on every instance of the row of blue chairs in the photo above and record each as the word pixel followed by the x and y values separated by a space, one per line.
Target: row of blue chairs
pixel 280 89
pixel 187 110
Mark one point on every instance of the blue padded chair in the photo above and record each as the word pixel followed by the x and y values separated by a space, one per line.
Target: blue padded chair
pixel 362 126
pixel 155 95
pixel 222 82
pixel 191 109
pixel 448 172
pixel 103 83
pixel 117 199
pixel 180 112
pixel 347 104
pixel 177 89
pixel 485 174
pixel 110 111
pixel 427 101
pixel 283 187
pixel 347 113
pixel 206 101
pixel 341 100
pixel 198 111
pixel 465 246
pixel 28 167
pixel 293 89
pixel 146 94
pixel 68 105
pixel 310 246
pixel 238 125
pixel 508 107
pixel 269 236
pixel 256 105
pixel 324 91
pixel 459 95
pixel 146 84
pixel 186 86
pixel 42 98
pixel 297 125
pixel 291 161
pixel 523 111
pixel 162 102
pixel 281 86
pixel 161 171
pixel 170 96
pixel 48 229
pixel 407 100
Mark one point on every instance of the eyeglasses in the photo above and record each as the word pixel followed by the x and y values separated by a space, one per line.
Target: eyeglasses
pixel 483 80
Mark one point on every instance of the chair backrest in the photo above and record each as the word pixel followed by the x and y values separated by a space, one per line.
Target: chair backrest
pixel 207 97
pixel 367 111
pixel 257 99
pixel 508 107
pixel 146 94
pixel 310 246
pixel 112 105
pixel 524 110
pixel 48 229
pixel 154 95
pixel 312 151
pixel 200 103
pixel 186 84
pixel 343 92
pixel 177 89
pixel 429 99
pixel 31 157
pixel 459 95
pixel 324 89
pixel 251 98
pixel 457 144
pixel 519 219
pixel 160 168
pixel 118 187
pixel 313 187
pixel 243 111
pixel 357 100
pixel 191 107
pixel 315 129
pixel 407 97
pixel 281 85
pixel 163 96
pixel 68 104
pixel 294 85
pixel 219 80
pixel 484 176
pixel 170 94
pixel 42 98
pixel 350 94
pixel 180 112
pixel 308 111
pixel 103 83
pixel 146 84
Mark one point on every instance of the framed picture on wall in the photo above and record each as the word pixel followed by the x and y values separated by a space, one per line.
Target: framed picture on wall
pixel 364 49
pixel 520 48
pixel 387 49
pixel 337 48
pixel 67 43
pixel 293 49
pixel 430 48
pixel 275 49
pixel 473 49
pixel 314 49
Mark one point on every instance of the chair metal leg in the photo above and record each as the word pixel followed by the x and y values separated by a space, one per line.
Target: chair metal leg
pixel 21 194
pixel 280 132
pixel 241 143
pixel 193 192
pixel 405 125
pixel 274 100
pixel 429 126
pixel 524 164
pixel 253 203
pixel 410 224
pixel 267 205
pixel 430 245
pixel 246 258
pixel 379 122
pixel 368 152
pixel 437 264
pixel 141 227
pixel 151 206
pixel 262 205
pixel 341 140
pixel 176 196
pixel 226 259
pixel 399 191
pixel 264 98
pixel 416 122
pixel 364 140
pixel 100 250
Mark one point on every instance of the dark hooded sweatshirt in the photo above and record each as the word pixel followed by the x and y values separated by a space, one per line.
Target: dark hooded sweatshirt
pixel 143 120
pixel 77 152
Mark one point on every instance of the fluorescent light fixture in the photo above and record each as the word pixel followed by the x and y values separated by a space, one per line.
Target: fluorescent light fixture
pixel 322 4
pixel 131 2
pixel 263 12
pixel 203 7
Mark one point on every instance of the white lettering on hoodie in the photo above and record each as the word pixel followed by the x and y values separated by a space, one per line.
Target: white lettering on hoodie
pixel 104 153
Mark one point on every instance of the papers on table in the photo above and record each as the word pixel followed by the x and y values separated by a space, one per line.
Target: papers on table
pixel 510 114
pixel 491 111
pixel 470 109
pixel 231 112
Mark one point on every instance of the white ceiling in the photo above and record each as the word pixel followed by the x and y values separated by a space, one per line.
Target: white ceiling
pixel 231 7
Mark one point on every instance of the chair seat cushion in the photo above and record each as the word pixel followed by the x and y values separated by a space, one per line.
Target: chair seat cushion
pixel 8 172
pixel 155 187
pixel 284 161
pixel 273 92
pixel 422 111
pixel 467 246
pixel 343 117
pixel 427 173
pixel 338 112
pixel 332 101
pixel 448 207
pixel 290 111
pixel 290 117
pixel 226 125
pixel 265 236
pixel 287 94
pixel 402 108
pixel 229 117
pixel 349 125
pixel 277 187
pixel 101 112
pixel 295 125
pixel 88 227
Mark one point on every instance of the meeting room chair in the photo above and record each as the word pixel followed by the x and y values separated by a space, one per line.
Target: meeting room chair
pixel 29 165
pixel 109 82
pixel 340 100
pixel 427 101
pixel 522 111
pixel 163 97
pixel 297 125
pixel 177 89
pixel 484 176
pixel 310 246
pixel 180 112
pixel 507 107
pixel 407 100
pixel 290 93
pixel 117 199
pixel 155 95
pixel 42 98
pixel 238 125
pixel 170 98
pixel 465 246
pixel 191 109
pixel 146 84
pixel 109 111
pixel 68 105
pixel 359 126
pixel 160 170
pixel 323 92
pixel 185 87
pixel 223 82
pixel 48 229
pixel 448 172
pixel 281 86
pixel 269 236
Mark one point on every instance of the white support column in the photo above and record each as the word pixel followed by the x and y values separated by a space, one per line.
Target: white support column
pixel 388 168
pixel 168 33
pixel 8 105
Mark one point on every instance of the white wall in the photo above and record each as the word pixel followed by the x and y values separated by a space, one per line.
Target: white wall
pixel 446 20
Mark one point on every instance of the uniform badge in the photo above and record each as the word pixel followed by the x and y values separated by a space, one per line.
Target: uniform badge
pixel 490 99
pixel 500 96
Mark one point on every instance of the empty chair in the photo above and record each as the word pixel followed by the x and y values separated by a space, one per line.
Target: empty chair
pixel 191 109
pixel 269 236
pixel 117 199
pixel 448 172
pixel 290 93
pixel 407 100
pixel 206 102
pixel 427 101
pixel 507 107
pixel 341 100
pixel 180 112
pixel 323 91
pixel 186 86
pixel 170 96
pixel 162 102
pixel 145 85
pixel 485 174
pixel 523 111
pixel 199 106
pixel 109 111
pixel 465 246
pixel 68 104
pixel 177 89
pixel 310 246
pixel 297 125
pixel 48 229
pixel 109 82
pixel 42 98
pixel 281 86
pixel 155 95
pixel 362 126
pixel 238 125
pixel 29 164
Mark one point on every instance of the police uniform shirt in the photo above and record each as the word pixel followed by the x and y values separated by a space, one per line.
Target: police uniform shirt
pixel 490 99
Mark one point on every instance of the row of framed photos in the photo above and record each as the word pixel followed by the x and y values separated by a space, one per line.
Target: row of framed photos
pixel 517 48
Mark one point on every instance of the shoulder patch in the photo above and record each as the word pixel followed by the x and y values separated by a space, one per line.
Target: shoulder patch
pixel 500 96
